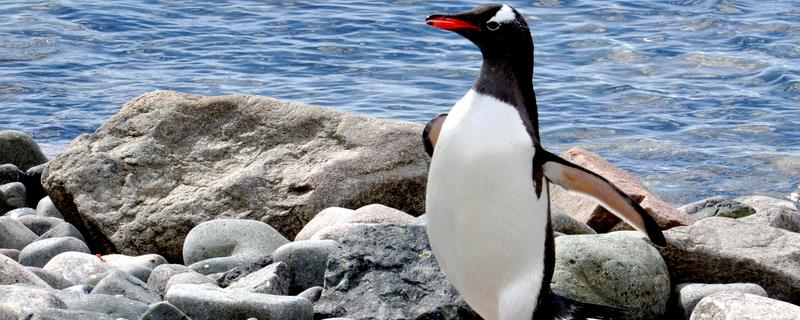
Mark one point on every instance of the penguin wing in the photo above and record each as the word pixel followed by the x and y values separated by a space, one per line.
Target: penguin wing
pixel 577 179
pixel 431 132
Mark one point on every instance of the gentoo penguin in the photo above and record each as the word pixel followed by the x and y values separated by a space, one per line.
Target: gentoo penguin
pixel 488 200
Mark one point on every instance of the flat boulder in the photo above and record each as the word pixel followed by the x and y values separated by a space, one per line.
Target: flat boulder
pixel 600 219
pixel 169 161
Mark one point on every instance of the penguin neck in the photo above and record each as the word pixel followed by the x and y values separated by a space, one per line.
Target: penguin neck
pixel 509 79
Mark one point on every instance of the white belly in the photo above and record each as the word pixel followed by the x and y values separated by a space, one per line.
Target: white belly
pixel 485 224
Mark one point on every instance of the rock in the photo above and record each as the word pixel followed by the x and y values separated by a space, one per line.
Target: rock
pixel 311 294
pixel 168 161
pixel 615 269
pixel 157 281
pixel 114 306
pixel 123 284
pixel 307 258
pixel 12 196
pixel 222 244
pixel 20 150
pixel 45 208
pixel 20 212
pixel 77 267
pixel 773 212
pixel 32 179
pixel 62 229
pixel 14 235
pixel 38 253
pixel 207 303
pixel 335 232
pixel 60 314
pixel 12 272
pixel 566 224
pixel 139 266
pixel 8 313
pixel 39 225
pixel 273 279
pixel 81 288
pixel 734 305
pixel 24 299
pixel 421 220
pixel 724 250
pixel 9 173
pixel 378 269
pixel 719 206
pixel 190 277
pixel 54 280
pixel 689 294
pixel 597 217
pixel 226 278
pixel 11 253
pixel 334 216
pixel 163 311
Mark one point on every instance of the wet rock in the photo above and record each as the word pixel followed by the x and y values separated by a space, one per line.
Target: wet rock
pixel 25 299
pixel 773 212
pixel 222 244
pixel 307 258
pixel 11 253
pixel 224 279
pixel 273 279
pixel 45 208
pixel 20 150
pixel 12 272
pixel 334 216
pixel 14 235
pixel 157 281
pixel 20 212
pixel 207 303
pixel 378 268
pixel 616 269
pixel 724 250
pixel 689 294
pixel 163 311
pixel 123 284
pixel 38 253
pixel 600 219
pixel 78 267
pixel 54 280
pixel 719 206
pixel 734 305
pixel 12 196
pixel 134 186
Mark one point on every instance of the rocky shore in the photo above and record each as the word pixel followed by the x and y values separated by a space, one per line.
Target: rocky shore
pixel 246 207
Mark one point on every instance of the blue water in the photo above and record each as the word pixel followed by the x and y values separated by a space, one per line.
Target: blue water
pixel 695 98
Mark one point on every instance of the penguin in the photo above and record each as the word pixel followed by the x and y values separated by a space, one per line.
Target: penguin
pixel 488 195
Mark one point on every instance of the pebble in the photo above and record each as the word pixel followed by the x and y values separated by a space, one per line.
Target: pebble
pixel 12 196
pixel 54 280
pixel 14 235
pixel 157 282
pixel 114 306
pixel 689 294
pixel 224 279
pixel 9 173
pixel 38 253
pixel 78 267
pixel 20 212
pixel 201 302
pixel 40 225
pixel 163 311
pixel 20 150
pixel 272 279
pixel 220 245
pixel 12 272
pixel 118 282
pixel 307 258
pixel 23 299
pixel 63 229
pixel 46 208
pixel 735 305
pixel 137 266
pixel 190 277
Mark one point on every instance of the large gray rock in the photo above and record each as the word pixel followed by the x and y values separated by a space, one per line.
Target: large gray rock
pixel 724 250
pixel 12 272
pixel 169 161
pixel 616 269
pixel 25 299
pixel 307 258
pixel 201 302
pixel 773 212
pixel 272 279
pixel 387 271
pixel 121 283
pixel 719 206
pixel 734 305
pixel 38 253
pixel 689 294
pixel 222 244
pixel 20 150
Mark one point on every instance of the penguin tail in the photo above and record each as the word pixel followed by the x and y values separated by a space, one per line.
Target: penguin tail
pixel 566 308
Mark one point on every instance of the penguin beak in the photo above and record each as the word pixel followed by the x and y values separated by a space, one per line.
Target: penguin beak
pixel 449 23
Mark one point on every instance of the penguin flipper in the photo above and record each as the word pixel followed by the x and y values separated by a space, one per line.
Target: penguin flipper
pixel 431 132
pixel 577 179
pixel 566 308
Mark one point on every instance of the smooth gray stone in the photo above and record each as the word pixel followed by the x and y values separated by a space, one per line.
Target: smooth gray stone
pixel 566 224
pixel 735 305
pixel 225 264
pixel 689 294
pixel 9 173
pixel 20 150
pixel 11 272
pixel 20 212
pixel 201 302
pixel 137 271
pixel 12 196
pixel 163 311
pixel 311 294
pixel 14 235
pixel 118 282
pixel 40 225
pixel 64 229
pixel 114 306
pixel 53 279
pixel 38 253
pixel 80 288
pixel 307 259
pixel 190 277
pixel 157 282
pixel 230 238
pixel 46 208
pixel 24 299
pixel 719 206
pixel 11 253
pixel 61 314
pixel 224 279
pixel 272 279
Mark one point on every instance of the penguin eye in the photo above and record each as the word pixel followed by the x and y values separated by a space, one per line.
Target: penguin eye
pixel 492 25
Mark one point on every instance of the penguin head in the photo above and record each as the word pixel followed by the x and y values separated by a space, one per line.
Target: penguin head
pixel 498 30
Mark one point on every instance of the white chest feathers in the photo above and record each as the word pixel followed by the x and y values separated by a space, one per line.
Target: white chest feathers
pixel 485 223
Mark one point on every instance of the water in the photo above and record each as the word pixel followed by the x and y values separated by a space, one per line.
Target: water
pixel 695 98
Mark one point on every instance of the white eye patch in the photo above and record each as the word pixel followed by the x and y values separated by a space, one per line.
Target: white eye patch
pixel 505 14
